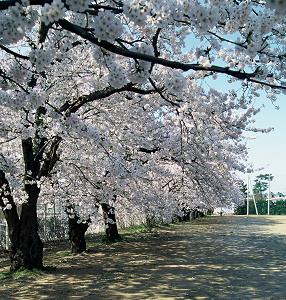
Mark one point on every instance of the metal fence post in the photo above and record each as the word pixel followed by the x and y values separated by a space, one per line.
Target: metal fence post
pixel 55 223
pixel 6 236
pixel 45 221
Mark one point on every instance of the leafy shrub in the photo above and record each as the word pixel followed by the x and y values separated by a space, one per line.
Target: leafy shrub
pixel 276 208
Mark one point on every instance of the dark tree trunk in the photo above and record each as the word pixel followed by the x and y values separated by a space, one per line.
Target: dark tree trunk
pixel 28 252
pixel 11 217
pixel 77 235
pixel 77 229
pixel 192 215
pixel 111 230
pixel 196 213
pixel 26 247
pixel 186 215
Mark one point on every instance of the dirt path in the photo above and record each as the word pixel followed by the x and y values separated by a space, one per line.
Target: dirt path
pixel 213 258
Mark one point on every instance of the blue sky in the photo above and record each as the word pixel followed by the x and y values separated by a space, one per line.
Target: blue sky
pixel 269 150
pixel 266 150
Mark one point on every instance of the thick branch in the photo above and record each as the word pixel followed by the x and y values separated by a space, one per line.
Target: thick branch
pixel 101 94
pixel 12 52
pixel 2 74
pixel 149 151
pixel 28 155
pixel 7 3
pixel 157 60
pixel 51 158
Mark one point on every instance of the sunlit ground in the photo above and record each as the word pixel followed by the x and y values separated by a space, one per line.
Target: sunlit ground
pixel 213 258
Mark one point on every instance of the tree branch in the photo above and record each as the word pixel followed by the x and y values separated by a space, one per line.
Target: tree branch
pixel 100 94
pixel 157 60
pixel 51 158
pixel 13 53
pixel 149 151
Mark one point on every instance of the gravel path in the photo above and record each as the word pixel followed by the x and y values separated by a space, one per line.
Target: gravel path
pixel 212 258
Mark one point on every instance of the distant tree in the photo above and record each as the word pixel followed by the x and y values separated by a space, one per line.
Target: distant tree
pixel 261 185
pixel 243 189
pixel 241 209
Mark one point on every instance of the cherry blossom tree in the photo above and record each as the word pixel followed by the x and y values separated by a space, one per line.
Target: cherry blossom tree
pixel 133 76
pixel 174 159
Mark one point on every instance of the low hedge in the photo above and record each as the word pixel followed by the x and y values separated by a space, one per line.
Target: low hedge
pixel 276 208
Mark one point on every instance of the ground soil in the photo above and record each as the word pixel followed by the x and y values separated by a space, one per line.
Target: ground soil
pixel 211 258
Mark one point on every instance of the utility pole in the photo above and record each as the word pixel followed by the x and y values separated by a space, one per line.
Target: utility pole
pixel 247 200
pixel 254 201
pixel 248 182
pixel 269 194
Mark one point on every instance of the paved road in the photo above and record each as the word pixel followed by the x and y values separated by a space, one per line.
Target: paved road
pixel 213 258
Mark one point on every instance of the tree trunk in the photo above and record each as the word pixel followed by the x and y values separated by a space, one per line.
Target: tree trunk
pixel 192 215
pixel 26 247
pixel 28 250
pixel 186 215
pixel 77 235
pixel 77 229
pixel 13 223
pixel 196 213
pixel 111 230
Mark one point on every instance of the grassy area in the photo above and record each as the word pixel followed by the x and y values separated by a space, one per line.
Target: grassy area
pixel 133 229
pixel 24 273
pixel 143 228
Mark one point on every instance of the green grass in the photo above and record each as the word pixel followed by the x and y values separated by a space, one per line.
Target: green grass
pixel 143 228
pixel 25 273
pixel 127 234
pixel 133 229
pixel 95 239
pixel 63 253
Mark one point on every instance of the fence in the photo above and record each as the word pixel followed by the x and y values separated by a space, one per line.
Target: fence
pixel 53 224
pixel 4 240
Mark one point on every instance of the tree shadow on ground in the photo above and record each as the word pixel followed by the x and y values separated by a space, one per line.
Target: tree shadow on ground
pixel 213 258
